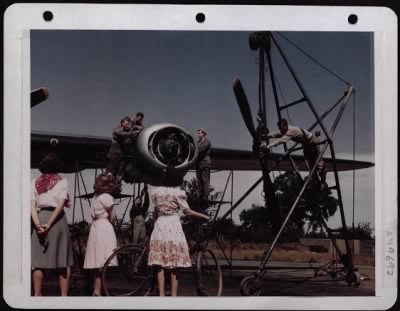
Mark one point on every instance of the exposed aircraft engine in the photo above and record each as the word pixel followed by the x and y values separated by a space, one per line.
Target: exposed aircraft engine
pixel 165 150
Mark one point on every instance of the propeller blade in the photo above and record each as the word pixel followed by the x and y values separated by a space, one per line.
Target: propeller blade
pixel 244 106
pixel 39 95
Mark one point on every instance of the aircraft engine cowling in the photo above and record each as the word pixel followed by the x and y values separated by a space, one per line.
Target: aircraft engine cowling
pixel 165 150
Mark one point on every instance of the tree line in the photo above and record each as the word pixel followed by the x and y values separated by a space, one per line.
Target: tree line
pixel 256 221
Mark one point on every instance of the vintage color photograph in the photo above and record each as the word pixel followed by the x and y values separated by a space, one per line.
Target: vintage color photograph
pixel 202 163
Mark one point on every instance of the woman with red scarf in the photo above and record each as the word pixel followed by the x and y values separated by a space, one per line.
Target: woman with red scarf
pixel 51 246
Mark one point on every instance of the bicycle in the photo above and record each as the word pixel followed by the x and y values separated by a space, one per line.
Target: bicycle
pixel 79 279
pixel 132 274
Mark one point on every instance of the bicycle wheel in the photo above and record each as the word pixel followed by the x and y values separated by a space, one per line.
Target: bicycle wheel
pixel 77 271
pixel 131 274
pixel 209 275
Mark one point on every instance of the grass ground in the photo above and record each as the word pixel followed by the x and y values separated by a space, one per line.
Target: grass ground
pixel 284 252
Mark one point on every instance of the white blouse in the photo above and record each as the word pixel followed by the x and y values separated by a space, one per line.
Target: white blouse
pixel 49 198
pixel 100 206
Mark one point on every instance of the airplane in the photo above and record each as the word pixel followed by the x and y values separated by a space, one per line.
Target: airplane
pixel 80 152
pixel 83 150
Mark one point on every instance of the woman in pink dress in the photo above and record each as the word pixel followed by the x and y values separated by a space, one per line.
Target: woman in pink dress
pixel 168 246
pixel 102 239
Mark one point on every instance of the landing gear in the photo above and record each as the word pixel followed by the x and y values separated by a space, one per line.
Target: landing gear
pixel 353 278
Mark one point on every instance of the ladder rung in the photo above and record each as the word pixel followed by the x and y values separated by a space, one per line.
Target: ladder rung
pixel 293 103
pixel 323 142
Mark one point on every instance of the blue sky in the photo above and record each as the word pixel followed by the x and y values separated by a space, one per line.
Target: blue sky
pixel 96 77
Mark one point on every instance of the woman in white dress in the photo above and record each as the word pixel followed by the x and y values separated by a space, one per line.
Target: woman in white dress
pixel 102 239
pixel 168 246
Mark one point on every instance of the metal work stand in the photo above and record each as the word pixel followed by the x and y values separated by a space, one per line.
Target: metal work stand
pixel 263 41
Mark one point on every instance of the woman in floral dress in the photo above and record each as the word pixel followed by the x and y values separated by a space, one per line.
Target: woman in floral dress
pixel 168 246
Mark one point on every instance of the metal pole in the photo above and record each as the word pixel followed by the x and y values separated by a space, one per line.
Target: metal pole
pixel 354 156
pixel 215 225
pixel 231 207
pixel 323 116
pixel 273 83
pixel 75 188
pixel 276 98
pixel 222 197
pixel 292 209
pixel 294 75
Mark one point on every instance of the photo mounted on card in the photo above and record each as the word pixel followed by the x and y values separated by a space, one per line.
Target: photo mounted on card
pixel 243 153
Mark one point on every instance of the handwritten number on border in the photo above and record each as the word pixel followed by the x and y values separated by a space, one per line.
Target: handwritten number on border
pixel 390 260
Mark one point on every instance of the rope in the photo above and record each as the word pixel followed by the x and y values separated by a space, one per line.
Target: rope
pixel 314 60
pixel 287 110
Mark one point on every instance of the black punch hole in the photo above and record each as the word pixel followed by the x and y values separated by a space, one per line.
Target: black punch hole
pixel 200 17
pixel 352 19
pixel 47 16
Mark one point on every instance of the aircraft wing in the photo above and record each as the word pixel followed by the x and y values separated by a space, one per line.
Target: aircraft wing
pixel 85 151
pixel 88 152
pixel 240 160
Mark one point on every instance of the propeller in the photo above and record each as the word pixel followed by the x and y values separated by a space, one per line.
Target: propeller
pixel 166 150
pixel 39 95
pixel 244 106
pixel 268 186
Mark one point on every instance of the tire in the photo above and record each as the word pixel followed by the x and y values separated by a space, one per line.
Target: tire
pixel 77 272
pixel 209 275
pixel 250 287
pixel 132 275
pixel 353 279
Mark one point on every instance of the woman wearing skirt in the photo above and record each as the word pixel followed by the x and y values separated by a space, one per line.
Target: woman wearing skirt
pixel 51 246
pixel 168 246
pixel 102 239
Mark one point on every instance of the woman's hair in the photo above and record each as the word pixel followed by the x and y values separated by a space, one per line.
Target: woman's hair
pixel 50 164
pixel 104 183
pixel 168 180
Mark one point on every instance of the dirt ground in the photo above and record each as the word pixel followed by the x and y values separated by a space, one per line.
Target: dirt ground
pixel 288 252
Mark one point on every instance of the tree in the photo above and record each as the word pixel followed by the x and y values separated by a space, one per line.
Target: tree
pixel 255 225
pixel 313 206
pixel 363 231
pixel 193 197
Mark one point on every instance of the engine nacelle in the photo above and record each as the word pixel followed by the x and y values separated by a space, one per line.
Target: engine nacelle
pixel 166 150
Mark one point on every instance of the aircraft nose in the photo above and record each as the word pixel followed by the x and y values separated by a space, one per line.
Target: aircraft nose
pixel 169 149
